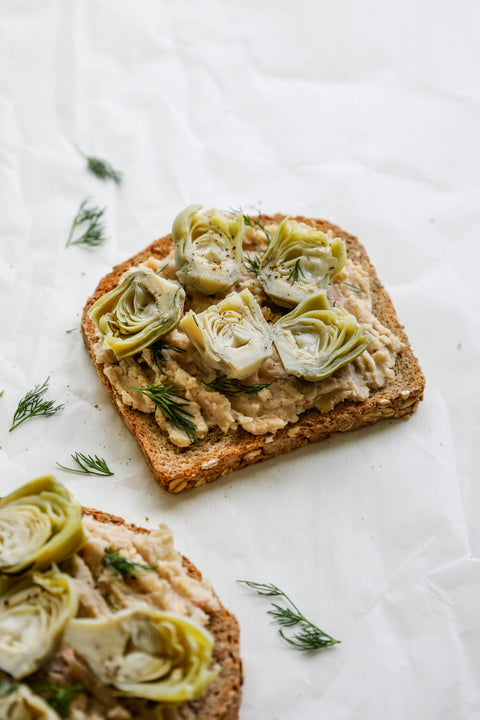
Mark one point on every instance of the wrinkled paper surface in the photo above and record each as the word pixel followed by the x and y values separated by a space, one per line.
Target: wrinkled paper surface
pixel 367 114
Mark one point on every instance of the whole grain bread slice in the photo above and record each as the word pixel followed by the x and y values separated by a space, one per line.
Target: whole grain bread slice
pixel 177 469
pixel 223 696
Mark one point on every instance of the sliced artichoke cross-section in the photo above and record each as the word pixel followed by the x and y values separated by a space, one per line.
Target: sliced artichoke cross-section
pixel 232 336
pixel 33 611
pixel 300 261
pixel 314 339
pixel 23 704
pixel 40 524
pixel 143 308
pixel 146 653
pixel 208 249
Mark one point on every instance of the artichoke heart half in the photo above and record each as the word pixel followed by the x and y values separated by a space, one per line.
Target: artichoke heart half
pixel 143 308
pixel 40 524
pixel 33 611
pixel 146 653
pixel 232 336
pixel 208 250
pixel 314 339
pixel 299 261
pixel 23 704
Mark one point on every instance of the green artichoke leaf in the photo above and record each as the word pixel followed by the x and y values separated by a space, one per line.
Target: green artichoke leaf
pixel 34 609
pixel 232 336
pixel 146 653
pixel 208 249
pixel 314 339
pixel 299 262
pixel 40 524
pixel 143 308
pixel 23 704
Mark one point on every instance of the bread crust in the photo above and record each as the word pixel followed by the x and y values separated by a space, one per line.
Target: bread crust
pixel 223 697
pixel 177 469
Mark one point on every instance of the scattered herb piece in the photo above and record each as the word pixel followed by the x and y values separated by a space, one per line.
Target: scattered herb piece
pixel 309 637
pixel 253 264
pixel 59 698
pixel 32 406
pixel 257 223
pixel 1 393
pixel 296 273
pixel 68 332
pixel 103 170
pixel 171 404
pixel 377 284
pixel 355 288
pixel 110 603
pixel 122 566
pixel 88 465
pixel 161 269
pixel 230 386
pixel 7 687
pixel 158 349
pixel 94 233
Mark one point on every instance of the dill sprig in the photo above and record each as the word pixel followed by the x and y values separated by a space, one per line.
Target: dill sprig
pixel 230 386
pixel 253 264
pixel 59 698
pixel 309 636
pixel 1 393
pixel 171 404
pixel 7 687
pixel 91 217
pixel 122 566
pixel 355 288
pixel 103 170
pixel 256 222
pixel 296 272
pixel 32 405
pixel 88 465
pixel 159 348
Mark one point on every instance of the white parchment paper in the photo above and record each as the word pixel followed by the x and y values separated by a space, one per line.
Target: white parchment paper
pixel 367 114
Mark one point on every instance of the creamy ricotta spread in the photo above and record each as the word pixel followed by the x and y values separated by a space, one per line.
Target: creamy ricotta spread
pixel 286 397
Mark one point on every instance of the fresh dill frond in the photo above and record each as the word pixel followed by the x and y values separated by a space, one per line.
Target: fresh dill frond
pixel 8 687
pixel 122 566
pixel 230 386
pixel 253 264
pixel 377 284
pixel 91 218
pixel 88 465
pixel 355 288
pixel 171 404
pixel 161 269
pixel 59 698
pixel 308 637
pixel 158 349
pixel 32 405
pixel 103 170
pixel 1 393
pixel 296 272
pixel 69 332
pixel 256 222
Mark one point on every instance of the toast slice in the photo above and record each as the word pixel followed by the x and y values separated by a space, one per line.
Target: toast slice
pixel 173 585
pixel 180 468
pixel 223 696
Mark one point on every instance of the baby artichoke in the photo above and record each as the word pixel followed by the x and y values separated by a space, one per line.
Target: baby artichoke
pixel 23 704
pixel 33 611
pixel 232 336
pixel 146 653
pixel 40 524
pixel 143 308
pixel 299 262
pixel 314 339
pixel 208 250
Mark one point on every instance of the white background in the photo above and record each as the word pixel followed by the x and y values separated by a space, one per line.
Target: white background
pixel 366 114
